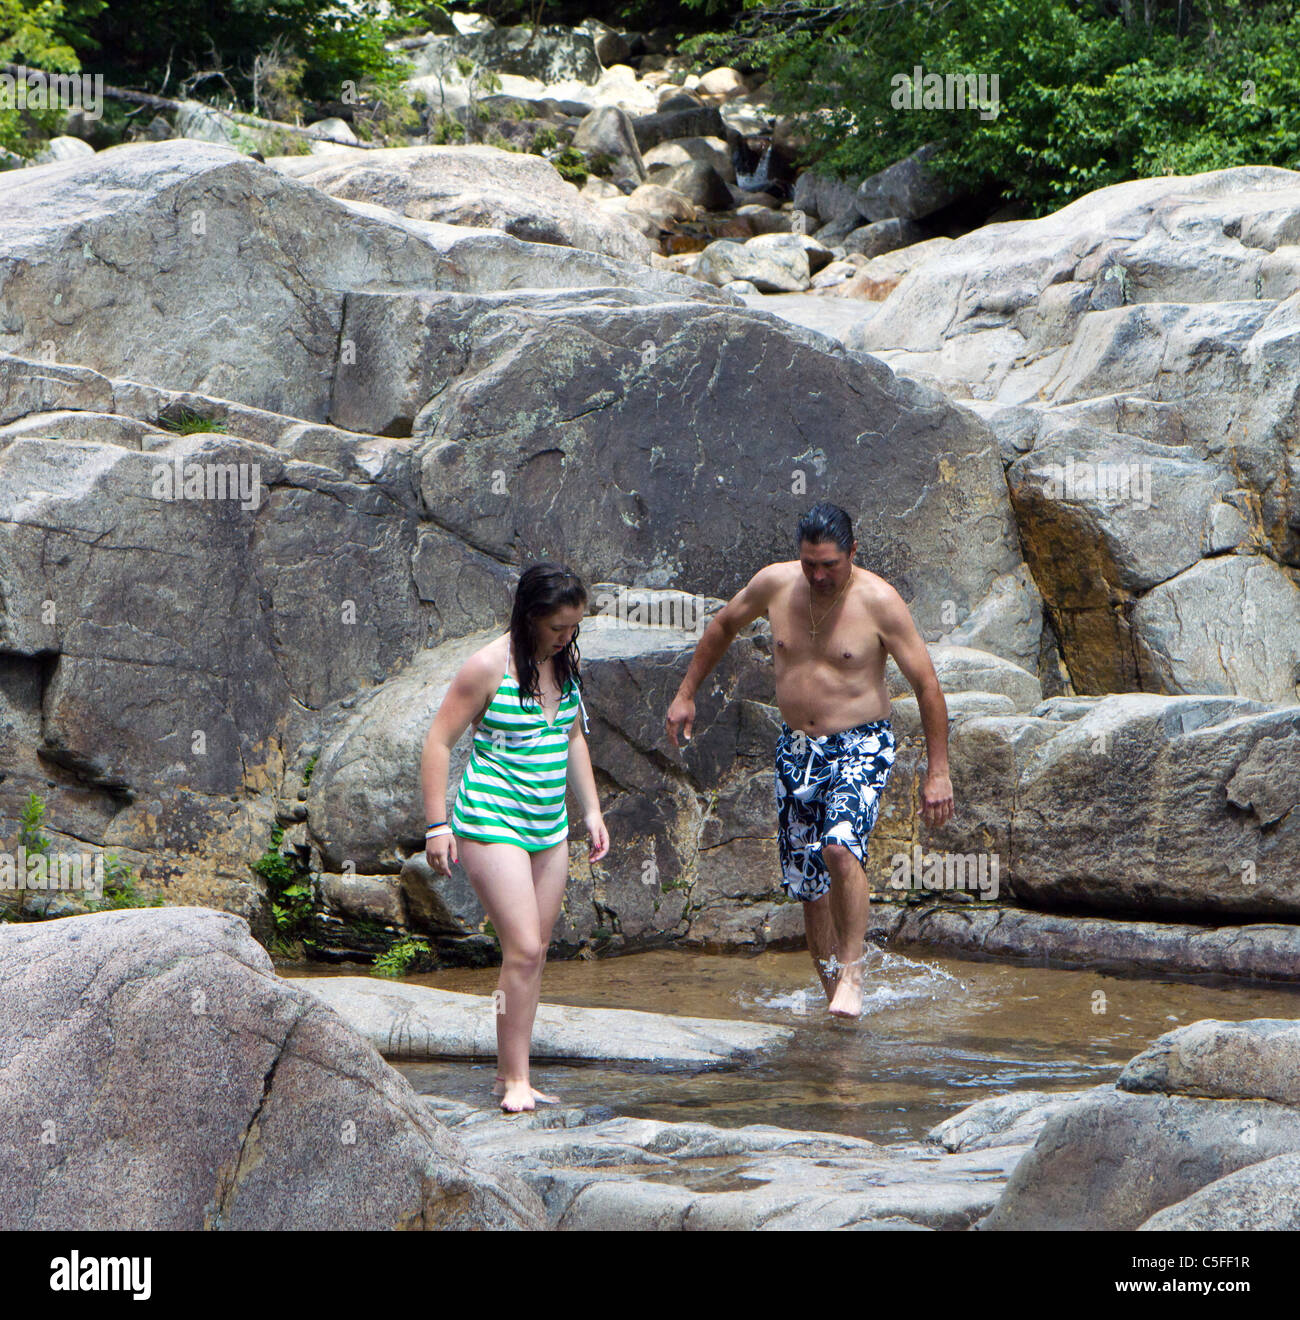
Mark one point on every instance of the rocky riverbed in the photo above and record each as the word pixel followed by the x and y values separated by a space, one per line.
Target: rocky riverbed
pixel 189 1086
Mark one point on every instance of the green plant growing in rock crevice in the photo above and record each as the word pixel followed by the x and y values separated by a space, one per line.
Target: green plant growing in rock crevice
pixel 409 953
pixel 571 165
pixel 445 129
pixel 119 879
pixel 289 891
pixel 186 422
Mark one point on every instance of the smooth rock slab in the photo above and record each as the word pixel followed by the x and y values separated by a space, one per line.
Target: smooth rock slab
pixel 1261 952
pixel 1015 1119
pixel 417 1022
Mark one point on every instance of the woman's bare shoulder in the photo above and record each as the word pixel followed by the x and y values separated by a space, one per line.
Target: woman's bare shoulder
pixel 485 665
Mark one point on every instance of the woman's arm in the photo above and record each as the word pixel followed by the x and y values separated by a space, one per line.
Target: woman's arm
pixel 584 782
pixel 465 700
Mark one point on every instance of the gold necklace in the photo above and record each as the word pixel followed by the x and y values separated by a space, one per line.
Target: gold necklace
pixel 813 624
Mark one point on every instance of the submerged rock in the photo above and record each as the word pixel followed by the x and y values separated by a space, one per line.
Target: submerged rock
pixel 418 1022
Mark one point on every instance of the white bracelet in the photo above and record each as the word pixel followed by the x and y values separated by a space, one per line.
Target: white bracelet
pixel 437 830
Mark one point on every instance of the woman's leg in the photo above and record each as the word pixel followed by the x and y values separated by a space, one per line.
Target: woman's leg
pixel 501 875
pixel 550 874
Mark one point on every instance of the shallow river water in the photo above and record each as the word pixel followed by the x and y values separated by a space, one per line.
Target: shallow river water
pixel 936 1034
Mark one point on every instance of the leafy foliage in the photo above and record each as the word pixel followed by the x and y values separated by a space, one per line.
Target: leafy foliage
pixel 119 879
pixel 1085 99
pixel 401 957
pixel 36 33
pixel 288 888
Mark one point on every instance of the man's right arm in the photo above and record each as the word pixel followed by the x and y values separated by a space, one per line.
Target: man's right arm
pixel 744 607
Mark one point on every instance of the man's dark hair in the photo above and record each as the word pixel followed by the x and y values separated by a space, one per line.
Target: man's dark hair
pixel 826 522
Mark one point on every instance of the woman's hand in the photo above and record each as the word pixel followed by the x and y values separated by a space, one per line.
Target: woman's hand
pixel 441 852
pixel 595 823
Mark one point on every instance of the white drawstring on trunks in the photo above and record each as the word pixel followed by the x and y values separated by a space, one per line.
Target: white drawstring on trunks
pixel 804 791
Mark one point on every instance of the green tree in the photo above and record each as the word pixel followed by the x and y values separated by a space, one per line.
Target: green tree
pixel 37 35
pixel 1089 94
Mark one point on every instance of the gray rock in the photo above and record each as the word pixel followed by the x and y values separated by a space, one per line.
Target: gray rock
pixel 874 240
pixel 770 270
pixel 608 130
pixel 178 1083
pixel 800 1180
pixel 827 199
pixel 611 47
pixel 196 120
pixel 1255 952
pixel 1210 770
pixel 963 669
pixel 673 121
pixel 410 372
pixel 698 182
pixel 712 151
pixel 1113 1161
pixel 484 187
pixel 664 206
pixel 63 148
pixel 1253 1060
pixel 550 54
pixel 1015 1119
pixel 1163 310
pixel 1262 1197
pixel 1229 624
pixel 907 190
pixel 819 256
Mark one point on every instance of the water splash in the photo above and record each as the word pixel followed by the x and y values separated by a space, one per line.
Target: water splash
pixel 889 980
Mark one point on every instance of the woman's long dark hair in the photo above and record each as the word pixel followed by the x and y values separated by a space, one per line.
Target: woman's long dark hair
pixel 543 589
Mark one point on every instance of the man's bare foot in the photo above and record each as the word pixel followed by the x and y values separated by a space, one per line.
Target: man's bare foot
pixel 847 1000
pixel 518 1098
pixel 537 1095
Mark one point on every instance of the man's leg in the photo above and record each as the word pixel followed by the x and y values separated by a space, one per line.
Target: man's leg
pixel 819 927
pixel 850 911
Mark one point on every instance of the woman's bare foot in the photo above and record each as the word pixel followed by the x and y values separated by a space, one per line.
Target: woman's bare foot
pixel 518 1098
pixel 537 1095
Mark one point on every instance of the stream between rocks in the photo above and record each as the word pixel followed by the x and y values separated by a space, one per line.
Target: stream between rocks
pixel 936 1035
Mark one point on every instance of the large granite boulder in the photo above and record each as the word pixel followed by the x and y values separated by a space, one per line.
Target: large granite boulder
pixel 1114 1159
pixel 147 236
pixel 1147 331
pixel 910 189
pixel 161 1076
pixel 1222 1060
pixel 485 188
pixel 523 386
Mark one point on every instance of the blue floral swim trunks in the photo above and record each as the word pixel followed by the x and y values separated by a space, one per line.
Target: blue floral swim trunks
pixel 827 791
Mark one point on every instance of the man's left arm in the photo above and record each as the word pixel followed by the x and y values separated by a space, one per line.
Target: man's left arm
pixel 902 640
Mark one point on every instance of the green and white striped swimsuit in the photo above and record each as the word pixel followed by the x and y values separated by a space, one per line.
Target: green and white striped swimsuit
pixel 512 790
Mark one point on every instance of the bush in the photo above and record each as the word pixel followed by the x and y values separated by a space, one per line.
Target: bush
pixel 288 887
pixel 320 49
pixel 572 165
pixel 403 956
pixel 1084 100
pixel 37 35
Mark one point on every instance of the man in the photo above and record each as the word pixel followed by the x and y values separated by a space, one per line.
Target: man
pixel 833 624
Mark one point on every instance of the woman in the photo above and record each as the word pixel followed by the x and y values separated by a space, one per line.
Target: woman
pixel 509 827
